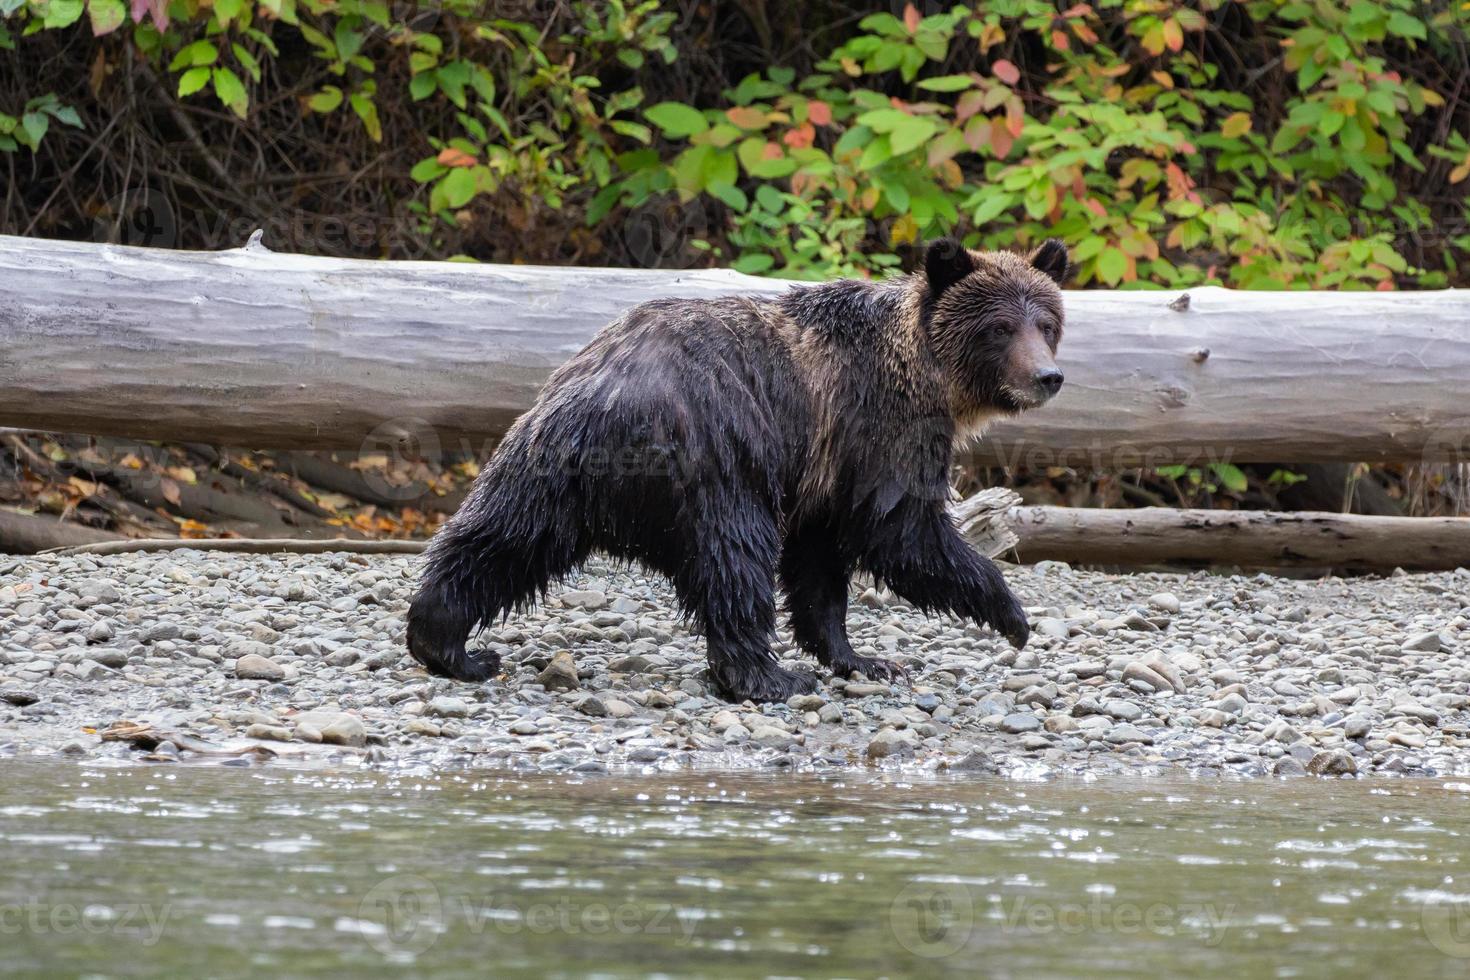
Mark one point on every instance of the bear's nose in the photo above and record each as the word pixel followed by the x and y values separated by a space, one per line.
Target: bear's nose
pixel 1049 381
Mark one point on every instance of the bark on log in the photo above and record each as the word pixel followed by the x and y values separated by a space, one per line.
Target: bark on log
pixel 255 348
pixel 1250 539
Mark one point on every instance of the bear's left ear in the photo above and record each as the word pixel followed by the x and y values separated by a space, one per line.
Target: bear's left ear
pixel 946 262
pixel 1050 257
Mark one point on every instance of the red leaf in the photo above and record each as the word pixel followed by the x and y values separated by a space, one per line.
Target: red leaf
pixel 911 17
pixel 819 112
pixel 1006 72
pixel 800 138
pixel 1000 138
pixel 157 9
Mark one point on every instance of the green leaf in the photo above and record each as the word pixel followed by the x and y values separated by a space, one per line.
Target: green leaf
pixel 106 16
pixel 327 100
pixel 8 7
pixel 991 207
pixel 367 111
pixel 1405 25
pixel 192 81
pixel 62 13
pixel 423 86
pixel 427 169
pixel 1112 265
pixel 34 125
pixel 459 187
pixel 453 77
pixel 227 10
pixel 753 264
pixel 676 119
pixel 947 83
pixel 65 115
pixel 193 55
pixel 730 194
pixel 348 41
pixel 911 134
pixel 231 91
pixel 1231 477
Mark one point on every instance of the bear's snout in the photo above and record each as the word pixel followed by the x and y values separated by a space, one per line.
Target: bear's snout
pixel 1048 382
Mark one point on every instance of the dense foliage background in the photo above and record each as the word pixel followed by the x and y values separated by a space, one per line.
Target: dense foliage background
pixel 1261 144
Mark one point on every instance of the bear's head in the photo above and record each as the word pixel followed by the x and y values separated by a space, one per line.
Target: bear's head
pixel 994 320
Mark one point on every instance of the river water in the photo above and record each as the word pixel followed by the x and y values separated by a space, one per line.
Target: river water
pixel 133 870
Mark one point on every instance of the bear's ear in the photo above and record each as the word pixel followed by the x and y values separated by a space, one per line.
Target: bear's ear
pixel 946 262
pixel 1051 258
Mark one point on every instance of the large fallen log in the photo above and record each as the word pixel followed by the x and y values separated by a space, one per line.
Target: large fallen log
pixel 1250 539
pixel 267 350
pixel 1128 538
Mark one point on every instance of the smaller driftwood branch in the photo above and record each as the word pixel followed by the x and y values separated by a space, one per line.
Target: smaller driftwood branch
pixel 254 546
pixel 1249 539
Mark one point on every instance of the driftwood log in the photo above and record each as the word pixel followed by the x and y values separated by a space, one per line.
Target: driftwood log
pixel 1143 537
pixel 255 348
pixel 1250 539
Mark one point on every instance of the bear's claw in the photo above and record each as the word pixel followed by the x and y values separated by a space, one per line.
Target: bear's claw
pixel 873 668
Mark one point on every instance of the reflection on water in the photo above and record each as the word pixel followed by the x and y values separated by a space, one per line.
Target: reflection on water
pixel 147 870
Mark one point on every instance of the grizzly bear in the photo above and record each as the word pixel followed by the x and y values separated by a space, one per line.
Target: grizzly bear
pixel 729 443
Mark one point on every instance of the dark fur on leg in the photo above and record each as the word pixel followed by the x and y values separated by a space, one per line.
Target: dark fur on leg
pixel 729 588
pixel 502 549
pixel 919 554
pixel 816 598
pixel 436 639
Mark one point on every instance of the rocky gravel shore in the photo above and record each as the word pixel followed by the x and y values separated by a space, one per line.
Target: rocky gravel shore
pixel 249 660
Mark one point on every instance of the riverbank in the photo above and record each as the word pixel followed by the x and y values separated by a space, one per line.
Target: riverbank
pixel 240 659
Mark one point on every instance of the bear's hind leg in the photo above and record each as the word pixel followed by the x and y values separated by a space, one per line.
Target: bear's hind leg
pixel 502 549
pixel 728 586
pixel 816 598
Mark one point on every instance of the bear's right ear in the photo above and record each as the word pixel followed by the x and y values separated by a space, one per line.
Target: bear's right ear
pixel 946 262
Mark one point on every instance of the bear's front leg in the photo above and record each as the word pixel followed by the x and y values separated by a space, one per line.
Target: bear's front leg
pixel 918 553
pixel 816 597
pixel 729 586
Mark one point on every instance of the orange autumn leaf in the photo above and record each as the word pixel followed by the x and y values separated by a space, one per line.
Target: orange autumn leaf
pixel 1000 138
pixel 1006 72
pixel 1015 117
pixel 1173 35
pixel 453 157
pixel 746 117
pixel 819 112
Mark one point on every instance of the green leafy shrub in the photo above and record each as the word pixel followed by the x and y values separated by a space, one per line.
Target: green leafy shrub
pixel 1258 144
